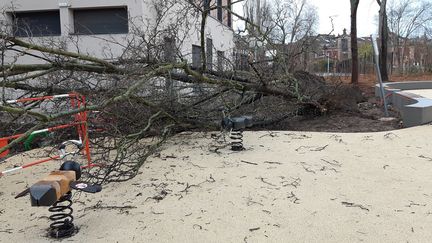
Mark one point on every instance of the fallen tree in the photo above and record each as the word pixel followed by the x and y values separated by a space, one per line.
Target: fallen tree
pixel 137 103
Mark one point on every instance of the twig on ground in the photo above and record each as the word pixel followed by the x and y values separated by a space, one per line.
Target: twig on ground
pixel 188 186
pixel 153 212
pixel 247 162
pixel 215 149
pixel 159 197
pixel 415 204
pixel 271 162
pixel 320 148
pixel 266 182
pixel 338 138
pixel 298 136
pixel 307 169
pixel 295 183
pixel 425 157
pixel 390 136
pixel 98 206
pixel 195 165
pixel 312 148
pixel 271 134
pixel 197 226
pixel 293 198
pixel 351 205
pixel 333 163
pixel 252 202
pixel 324 168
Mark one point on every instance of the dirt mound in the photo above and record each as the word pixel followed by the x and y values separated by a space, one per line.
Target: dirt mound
pixel 343 97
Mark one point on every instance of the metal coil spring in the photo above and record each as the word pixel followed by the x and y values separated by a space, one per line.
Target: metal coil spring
pixel 62 218
pixel 236 140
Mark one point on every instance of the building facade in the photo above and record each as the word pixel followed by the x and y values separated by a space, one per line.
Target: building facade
pixel 107 28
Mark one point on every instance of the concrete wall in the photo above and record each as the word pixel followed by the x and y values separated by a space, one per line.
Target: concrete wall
pixel 415 109
pixel 142 15
pixel 408 85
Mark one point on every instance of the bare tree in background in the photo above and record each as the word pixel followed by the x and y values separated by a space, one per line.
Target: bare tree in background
pixel 256 14
pixel 384 39
pixel 292 20
pixel 354 45
pixel 284 30
pixel 294 24
pixel 408 19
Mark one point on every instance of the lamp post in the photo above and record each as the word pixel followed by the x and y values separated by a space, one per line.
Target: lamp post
pixel 378 72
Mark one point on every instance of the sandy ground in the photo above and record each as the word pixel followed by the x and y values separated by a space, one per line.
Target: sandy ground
pixel 286 187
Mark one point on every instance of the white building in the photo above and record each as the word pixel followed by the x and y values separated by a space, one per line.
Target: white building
pixel 105 28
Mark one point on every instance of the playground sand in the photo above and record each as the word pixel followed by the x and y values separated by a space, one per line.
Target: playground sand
pixel 286 187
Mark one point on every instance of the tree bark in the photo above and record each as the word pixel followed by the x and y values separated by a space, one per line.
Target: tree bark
pixel 384 36
pixel 354 46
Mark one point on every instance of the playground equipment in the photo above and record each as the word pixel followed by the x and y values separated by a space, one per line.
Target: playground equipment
pixel 236 125
pixel 55 191
pixel 77 101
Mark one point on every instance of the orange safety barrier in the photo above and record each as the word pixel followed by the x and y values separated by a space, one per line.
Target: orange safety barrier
pixel 77 101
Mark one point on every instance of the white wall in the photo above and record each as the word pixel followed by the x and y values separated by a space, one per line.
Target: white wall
pixel 112 46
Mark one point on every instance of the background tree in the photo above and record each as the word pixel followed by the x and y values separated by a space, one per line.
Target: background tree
pixel 384 39
pixel 354 45
pixel 292 20
pixel 408 19
pixel 286 31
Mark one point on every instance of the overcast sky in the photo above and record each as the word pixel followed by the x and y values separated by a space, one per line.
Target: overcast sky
pixel 340 10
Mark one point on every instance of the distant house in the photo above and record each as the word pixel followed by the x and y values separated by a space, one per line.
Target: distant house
pixel 332 53
pixel 320 53
pixel 404 55
pixel 410 55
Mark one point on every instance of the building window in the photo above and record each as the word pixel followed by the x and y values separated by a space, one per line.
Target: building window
pixel 101 21
pixel 41 23
pixel 241 61
pixel 344 45
pixel 220 61
pixel 196 56
pixel 209 53
pixel 169 49
pixel 219 10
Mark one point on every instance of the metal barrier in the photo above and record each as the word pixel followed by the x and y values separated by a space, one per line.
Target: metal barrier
pixel 77 101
